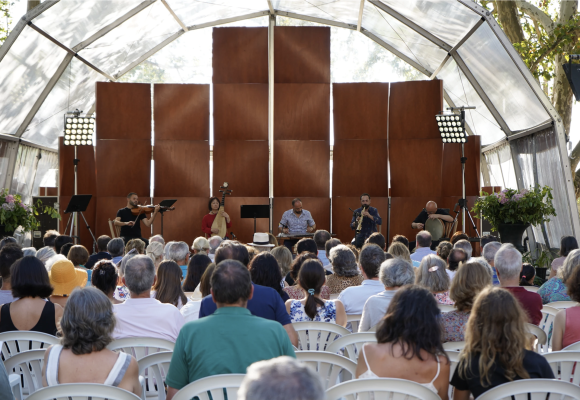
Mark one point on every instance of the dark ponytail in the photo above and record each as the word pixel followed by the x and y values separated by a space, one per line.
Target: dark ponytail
pixel 528 271
pixel 311 278
pixel 105 276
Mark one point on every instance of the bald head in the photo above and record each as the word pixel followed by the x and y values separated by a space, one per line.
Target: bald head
pixel 431 207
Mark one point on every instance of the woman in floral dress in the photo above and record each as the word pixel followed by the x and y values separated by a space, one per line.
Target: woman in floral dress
pixel 432 275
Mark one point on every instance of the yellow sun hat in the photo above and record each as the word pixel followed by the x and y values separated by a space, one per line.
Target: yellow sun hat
pixel 64 277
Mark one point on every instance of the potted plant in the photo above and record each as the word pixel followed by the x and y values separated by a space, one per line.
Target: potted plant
pixel 511 212
pixel 14 213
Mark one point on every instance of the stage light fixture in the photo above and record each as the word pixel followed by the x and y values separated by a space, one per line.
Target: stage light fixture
pixel 78 131
pixel 451 126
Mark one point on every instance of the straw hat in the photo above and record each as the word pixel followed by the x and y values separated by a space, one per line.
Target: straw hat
pixel 64 277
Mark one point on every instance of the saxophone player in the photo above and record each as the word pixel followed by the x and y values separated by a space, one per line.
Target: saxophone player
pixel 371 220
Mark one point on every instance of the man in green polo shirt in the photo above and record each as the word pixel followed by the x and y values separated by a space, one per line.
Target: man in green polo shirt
pixel 230 339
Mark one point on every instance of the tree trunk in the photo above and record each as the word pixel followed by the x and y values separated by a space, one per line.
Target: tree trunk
pixel 507 12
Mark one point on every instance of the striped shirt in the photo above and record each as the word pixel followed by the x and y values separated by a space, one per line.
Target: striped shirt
pixel 297 224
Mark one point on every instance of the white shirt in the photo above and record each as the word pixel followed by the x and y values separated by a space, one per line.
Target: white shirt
pixel 450 273
pixel 355 297
pixel 375 309
pixel 147 318
pixel 324 259
pixel 421 252
pixel 190 310
pixel 211 257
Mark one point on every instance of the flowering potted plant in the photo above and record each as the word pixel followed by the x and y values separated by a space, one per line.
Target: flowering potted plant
pixel 14 213
pixel 511 212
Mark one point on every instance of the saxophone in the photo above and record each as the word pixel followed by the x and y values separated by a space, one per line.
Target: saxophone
pixel 360 221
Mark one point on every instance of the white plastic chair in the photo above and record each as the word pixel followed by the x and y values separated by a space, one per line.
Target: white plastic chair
pixel 531 288
pixel 538 388
pixel 454 361
pixel 351 344
pixel 354 321
pixel 541 337
pixel 213 385
pixel 561 305
pixel 446 308
pixel 361 389
pixel 572 347
pixel 564 365
pixel 332 368
pixel 27 364
pixel 140 347
pixel 317 335
pixel 154 369
pixel 82 391
pixel 15 342
pixel 453 346
pixel 15 387
pixel 548 315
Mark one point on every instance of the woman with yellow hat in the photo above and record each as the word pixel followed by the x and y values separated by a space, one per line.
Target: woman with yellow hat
pixel 64 277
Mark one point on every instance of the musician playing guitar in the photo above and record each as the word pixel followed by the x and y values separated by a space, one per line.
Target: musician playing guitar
pixel 296 221
pixel 430 211
pixel 207 221
pixel 131 224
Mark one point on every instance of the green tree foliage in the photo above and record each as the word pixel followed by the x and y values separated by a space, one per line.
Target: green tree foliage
pixel 5 19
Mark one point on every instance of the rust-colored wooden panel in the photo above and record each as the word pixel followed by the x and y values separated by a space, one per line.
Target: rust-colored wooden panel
pixel 451 179
pixel 360 166
pixel 301 167
pixel 107 208
pixel 412 109
pixel 181 168
pixel 85 237
pixel 360 110
pixel 491 189
pixel 240 55
pixel 240 112
pixel 86 173
pixel 123 110
pixel 319 208
pixel 341 215
pixel 416 167
pixel 404 210
pixel 48 191
pixel 301 111
pixel 302 54
pixel 244 228
pixel 181 112
pixel 184 223
pixel 123 166
pixel 244 165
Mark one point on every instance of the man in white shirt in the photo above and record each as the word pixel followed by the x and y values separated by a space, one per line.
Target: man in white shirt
pixel 423 240
pixel 140 315
pixel 320 238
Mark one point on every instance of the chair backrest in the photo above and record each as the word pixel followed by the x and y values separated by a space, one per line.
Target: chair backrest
pixel 362 389
pixel 454 360
pixel 354 320
pixel 548 315
pixel 542 338
pixel 560 305
pixel 140 347
pixel 214 386
pixel 531 288
pixel 351 344
pixel 446 307
pixel 453 346
pixel 15 342
pixel 538 388
pixel 572 347
pixel 317 335
pixel 154 369
pixel 329 366
pixel 28 364
pixel 81 391
pixel 563 364
pixel 115 230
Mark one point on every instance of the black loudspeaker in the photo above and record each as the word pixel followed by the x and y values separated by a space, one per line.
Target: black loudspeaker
pixel 46 221
pixel 572 72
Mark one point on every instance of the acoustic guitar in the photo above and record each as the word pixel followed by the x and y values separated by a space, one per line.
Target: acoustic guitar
pixel 220 222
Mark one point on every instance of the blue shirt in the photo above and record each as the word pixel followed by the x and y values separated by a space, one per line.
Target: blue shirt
pixel 420 253
pixel 297 224
pixel 494 278
pixel 266 303
pixel 369 226
pixel 183 270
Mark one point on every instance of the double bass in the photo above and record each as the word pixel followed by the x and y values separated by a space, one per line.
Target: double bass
pixel 220 222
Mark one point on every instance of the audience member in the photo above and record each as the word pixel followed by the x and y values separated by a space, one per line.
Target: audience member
pixel 567 321
pixel 281 378
pixel 284 257
pixel 167 287
pixel 329 245
pixel 64 249
pixel 401 239
pixel 229 340
pixel 527 275
pixel 122 292
pixel 82 357
pixel 567 244
pixel 140 315
pixel 31 312
pixel 432 275
pixel 408 343
pixel 251 253
pixel 313 308
pixel 200 246
pixel 265 271
pixel 102 254
pixel 167 248
pixel 178 252
pixel 295 291
pixel 214 243
pixel 232 250
pixel 465 246
pixel 79 256
pixel 49 237
pixel 423 247
pixel 158 239
pixel 28 251
pixel 272 239
pixel 8 256
pixel 354 250
pixel 468 282
pixel 555 289
pixel 454 260
pixel 5 384
pixel 261 242
pixel 345 270
pixel 45 253
pixel 485 239
pixel 190 311
pixel 457 236
pixel 443 249
pixel 155 252
pixel 489 251
pixel 195 269
pixel 116 248
pixel 393 275
pixel 400 251
pixel 7 240
pixel 378 239
pixel 64 278
pixel 508 264
pixel 60 241
pixel 50 262
pixel 306 244
pixel 136 244
pixel 320 238
pixel 495 351
pixel 106 279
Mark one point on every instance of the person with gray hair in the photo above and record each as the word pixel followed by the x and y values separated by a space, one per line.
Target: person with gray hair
pixel 140 315
pixel 282 378
pixel 45 253
pixel 116 248
pixel 432 274
pixel 345 269
pixel 86 327
pixel 158 239
pixel 465 246
pixel 178 252
pixel 556 288
pixel 214 243
pixel 29 251
pixel 422 247
pixel 489 251
pixel 394 274
pixel 508 264
pixel 122 292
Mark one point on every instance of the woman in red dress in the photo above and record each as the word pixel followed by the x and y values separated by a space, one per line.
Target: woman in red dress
pixel 207 221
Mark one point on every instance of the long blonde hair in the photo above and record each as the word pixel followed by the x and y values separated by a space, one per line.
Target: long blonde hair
pixel 469 280
pixel 496 331
pixel 400 251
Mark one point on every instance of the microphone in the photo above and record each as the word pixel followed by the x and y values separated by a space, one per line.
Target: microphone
pixel 234 236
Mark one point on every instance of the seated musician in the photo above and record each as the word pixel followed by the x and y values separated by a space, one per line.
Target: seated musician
pixel 430 211
pixel 371 223
pixel 131 224
pixel 207 221
pixel 296 221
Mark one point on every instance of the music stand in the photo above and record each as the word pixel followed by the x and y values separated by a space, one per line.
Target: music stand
pixel 255 211
pixel 78 204
pixel 165 203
